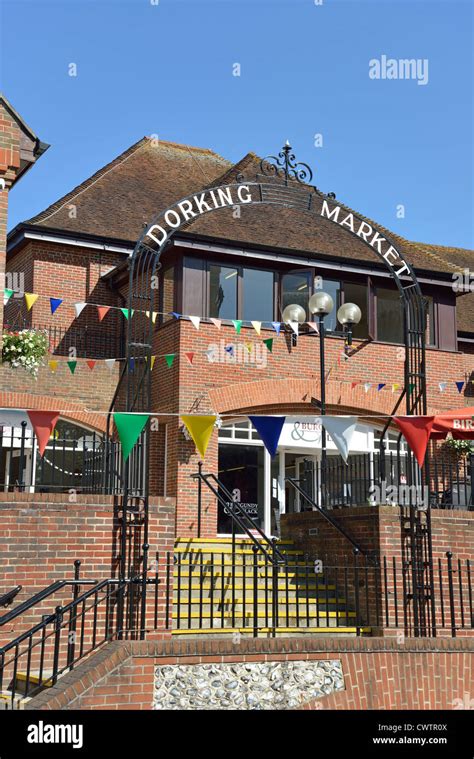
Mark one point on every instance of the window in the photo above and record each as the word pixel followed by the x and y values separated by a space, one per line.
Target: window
pixel 257 300
pixel 333 288
pixel 357 293
pixel 389 316
pixel 167 297
pixel 296 288
pixel 430 321
pixel 223 291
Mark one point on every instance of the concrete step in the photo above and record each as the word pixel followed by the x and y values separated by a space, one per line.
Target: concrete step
pixel 240 619
pixel 267 632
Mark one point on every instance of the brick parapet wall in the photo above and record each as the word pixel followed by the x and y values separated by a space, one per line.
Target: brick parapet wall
pixel 379 673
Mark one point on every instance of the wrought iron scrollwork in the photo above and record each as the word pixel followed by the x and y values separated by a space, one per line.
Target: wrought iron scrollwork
pixel 285 165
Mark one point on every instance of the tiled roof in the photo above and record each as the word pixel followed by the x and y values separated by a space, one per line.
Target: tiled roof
pixel 465 313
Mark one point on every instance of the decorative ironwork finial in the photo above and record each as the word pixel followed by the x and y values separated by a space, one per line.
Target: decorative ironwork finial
pixel 284 165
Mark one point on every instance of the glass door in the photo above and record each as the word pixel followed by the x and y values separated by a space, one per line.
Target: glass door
pixel 306 468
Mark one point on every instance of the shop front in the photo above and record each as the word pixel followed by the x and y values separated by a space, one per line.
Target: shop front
pixel 261 484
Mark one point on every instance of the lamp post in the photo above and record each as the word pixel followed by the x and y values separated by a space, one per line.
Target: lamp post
pixel 349 314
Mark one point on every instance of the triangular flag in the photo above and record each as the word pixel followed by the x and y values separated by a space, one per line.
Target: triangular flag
pixel 269 428
pixel 72 366
pixel 110 363
pixel 216 322
pixel 200 428
pixel 269 343
pixel 53 365
pixel 175 314
pixel 411 388
pixel 443 386
pixel 294 326
pixel 237 324
pixel 43 423
pixel 79 308
pixel 249 347
pixel 30 300
pixel 313 326
pixel 367 386
pixel 190 356
pixel 416 431
pixel 102 311
pixel 342 431
pixel 153 314
pixel 129 427
pixel 196 320
pixel 7 294
pixel 127 312
pixel 353 385
pixel 380 386
pixel 152 362
pixel 54 303
pixel 131 364
pixel 277 327
pixel 395 387
pixel 257 327
pixel 169 358
pixel 91 364
pixel 460 386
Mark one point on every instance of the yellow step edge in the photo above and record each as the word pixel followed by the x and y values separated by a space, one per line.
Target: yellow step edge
pixel 227 540
pixel 249 601
pixel 34 680
pixel 184 551
pixel 263 615
pixel 260 587
pixel 302 630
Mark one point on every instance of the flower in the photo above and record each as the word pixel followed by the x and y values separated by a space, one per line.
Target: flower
pixel 26 348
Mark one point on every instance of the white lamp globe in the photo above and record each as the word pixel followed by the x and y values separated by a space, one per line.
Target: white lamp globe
pixel 349 313
pixel 294 313
pixel 321 303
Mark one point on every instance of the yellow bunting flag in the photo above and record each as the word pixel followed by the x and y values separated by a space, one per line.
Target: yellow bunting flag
pixel 53 365
pixel 200 428
pixel 395 387
pixel 152 362
pixel 30 300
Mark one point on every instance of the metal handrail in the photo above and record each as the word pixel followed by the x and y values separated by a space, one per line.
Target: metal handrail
pixel 7 598
pixel 40 596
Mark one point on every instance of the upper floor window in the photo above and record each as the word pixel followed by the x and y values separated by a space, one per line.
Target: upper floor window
pixel 296 289
pixel 257 295
pixel 389 316
pixel 223 282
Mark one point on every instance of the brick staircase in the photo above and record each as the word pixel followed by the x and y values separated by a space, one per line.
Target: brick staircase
pixel 214 595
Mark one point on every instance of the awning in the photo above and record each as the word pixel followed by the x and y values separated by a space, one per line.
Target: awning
pixel 460 423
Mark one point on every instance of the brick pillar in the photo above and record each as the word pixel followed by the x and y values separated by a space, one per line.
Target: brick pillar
pixel 9 165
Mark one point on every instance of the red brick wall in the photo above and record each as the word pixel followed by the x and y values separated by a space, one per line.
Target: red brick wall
pixel 9 165
pixel 378 673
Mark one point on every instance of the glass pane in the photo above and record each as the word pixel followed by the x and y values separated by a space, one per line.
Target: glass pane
pixel 222 292
pixel 430 319
pixel 333 288
pixel 257 295
pixel 241 472
pixel 295 288
pixel 356 293
pixel 389 316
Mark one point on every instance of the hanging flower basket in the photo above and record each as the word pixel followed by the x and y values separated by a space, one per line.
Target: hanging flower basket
pixel 26 349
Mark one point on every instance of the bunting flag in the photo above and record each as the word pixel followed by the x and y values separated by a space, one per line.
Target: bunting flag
pixel 54 304
pixel 43 423
pixel 196 320
pixel 190 356
pixel 91 364
pixel 395 387
pixel 257 327
pixel 277 327
pixel 153 314
pixel 380 386
pixel 237 325
pixel 169 358
pixel 152 362
pixel 416 431
pixel 72 366
pixel 295 327
pixel 79 308
pixel 127 312
pixel 443 386
pixel 341 429
pixel 7 294
pixel 269 428
pixel 131 363
pixel 269 343
pixel 410 388
pixel 129 428
pixel 102 311
pixel 460 386
pixel 110 363
pixel 367 386
pixel 353 385
pixel 216 322
pixel 200 428
pixel 53 365
pixel 175 314
pixel 313 326
pixel 30 300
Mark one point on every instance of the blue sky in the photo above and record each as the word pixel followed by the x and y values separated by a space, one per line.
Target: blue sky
pixel 167 69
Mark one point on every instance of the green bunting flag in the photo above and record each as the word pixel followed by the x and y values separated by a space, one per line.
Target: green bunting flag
pixel 169 358
pixel 7 294
pixel 269 343
pixel 126 312
pixel 129 427
pixel 72 366
pixel 237 324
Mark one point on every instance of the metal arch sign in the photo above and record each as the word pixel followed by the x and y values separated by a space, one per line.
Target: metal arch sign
pixel 229 196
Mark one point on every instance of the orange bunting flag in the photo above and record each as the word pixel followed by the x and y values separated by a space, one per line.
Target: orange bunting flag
pixel 102 311
pixel 43 423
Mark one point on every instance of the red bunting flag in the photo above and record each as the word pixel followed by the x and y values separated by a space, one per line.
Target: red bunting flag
pixel 91 364
pixel 43 423
pixel 102 311
pixel 353 385
pixel 416 431
pixel 190 356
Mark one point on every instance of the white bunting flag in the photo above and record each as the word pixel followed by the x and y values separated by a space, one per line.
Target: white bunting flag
pixel 257 327
pixel 367 386
pixel 443 386
pixel 313 326
pixel 79 308
pixel 295 327
pixel 196 320
pixel 341 429
pixel 216 322
pixel 110 363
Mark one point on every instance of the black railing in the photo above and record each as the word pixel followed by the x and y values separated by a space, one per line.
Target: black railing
pixel 359 596
pixel 78 342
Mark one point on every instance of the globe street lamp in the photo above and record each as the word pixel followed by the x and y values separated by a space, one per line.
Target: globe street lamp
pixel 321 304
